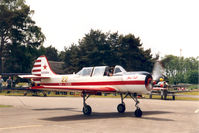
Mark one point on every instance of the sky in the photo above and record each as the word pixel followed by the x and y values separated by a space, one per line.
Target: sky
pixel 165 26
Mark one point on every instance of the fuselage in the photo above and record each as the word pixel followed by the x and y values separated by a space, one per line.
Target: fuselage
pixel 122 83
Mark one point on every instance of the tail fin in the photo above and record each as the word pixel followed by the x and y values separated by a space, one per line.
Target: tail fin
pixel 42 68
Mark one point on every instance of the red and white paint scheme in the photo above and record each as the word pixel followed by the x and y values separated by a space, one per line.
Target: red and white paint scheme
pixel 93 80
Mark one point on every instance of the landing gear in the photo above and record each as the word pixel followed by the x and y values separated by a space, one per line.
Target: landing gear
pixel 163 94
pixel 121 107
pixel 87 110
pixel 138 111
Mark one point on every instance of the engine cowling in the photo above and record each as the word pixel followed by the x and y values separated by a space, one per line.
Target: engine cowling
pixel 149 82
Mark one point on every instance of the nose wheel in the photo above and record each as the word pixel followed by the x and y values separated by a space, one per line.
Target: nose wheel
pixel 138 111
pixel 121 107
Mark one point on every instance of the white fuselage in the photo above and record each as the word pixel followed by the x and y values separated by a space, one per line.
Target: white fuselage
pixel 123 83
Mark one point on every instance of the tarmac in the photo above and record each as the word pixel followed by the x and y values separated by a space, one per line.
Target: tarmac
pixel 64 114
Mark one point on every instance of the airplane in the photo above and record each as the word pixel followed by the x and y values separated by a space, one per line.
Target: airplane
pixel 93 80
pixel 161 85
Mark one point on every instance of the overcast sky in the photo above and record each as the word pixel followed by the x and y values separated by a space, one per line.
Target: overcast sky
pixel 165 26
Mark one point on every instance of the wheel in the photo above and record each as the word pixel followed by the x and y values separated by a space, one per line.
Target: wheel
pixel 165 94
pixel 45 95
pixel 25 93
pixel 87 110
pixel 165 97
pixel 121 108
pixel 150 96
pixel 161 93
pixel 138 112
pixel 173 97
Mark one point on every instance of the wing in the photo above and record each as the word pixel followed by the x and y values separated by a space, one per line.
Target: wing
pixel 78 88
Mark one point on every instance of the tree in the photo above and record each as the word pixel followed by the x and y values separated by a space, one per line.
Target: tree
pixel 50 52
pixel 193 77
pixel 17 30
pixel 20 58
pixel 132 56
pixel 180 69
pixel 98 48
pixel 95 49
pixel 72 59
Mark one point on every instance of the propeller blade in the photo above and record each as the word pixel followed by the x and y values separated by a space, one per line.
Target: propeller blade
pixel 158 71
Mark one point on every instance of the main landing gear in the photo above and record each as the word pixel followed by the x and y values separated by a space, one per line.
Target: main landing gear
pixel 87 110
pixel 121 107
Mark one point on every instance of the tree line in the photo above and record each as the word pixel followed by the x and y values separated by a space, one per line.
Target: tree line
pixel 97 48
pixel 180 69
pixel 21 42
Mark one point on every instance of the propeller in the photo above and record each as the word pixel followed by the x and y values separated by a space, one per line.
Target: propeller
pixel 158 71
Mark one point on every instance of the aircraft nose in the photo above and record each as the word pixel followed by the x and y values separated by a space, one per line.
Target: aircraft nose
pixel 149 82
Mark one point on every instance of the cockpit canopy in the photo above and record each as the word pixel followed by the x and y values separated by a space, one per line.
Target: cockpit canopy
pixel 101 71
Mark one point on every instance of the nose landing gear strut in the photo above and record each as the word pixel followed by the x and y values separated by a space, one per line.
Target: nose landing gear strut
pixel 138 111
pixel 121 107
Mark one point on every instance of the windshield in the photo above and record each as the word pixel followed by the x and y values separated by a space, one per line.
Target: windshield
pixel 86 71
pixel 99 71
pixel 119 70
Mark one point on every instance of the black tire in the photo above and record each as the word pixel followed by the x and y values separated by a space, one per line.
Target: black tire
pixel 165 97
pixel 87 110
pixel 173 97
pixel 121 108
pixel 25 94
pixel 162 94
pixel 165 94
pixel 162 97
pixel 138 113
pixel 150 96
pixel 45 95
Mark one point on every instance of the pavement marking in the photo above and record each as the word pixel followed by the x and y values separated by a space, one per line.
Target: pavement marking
pixel 28 126
pixel 196 111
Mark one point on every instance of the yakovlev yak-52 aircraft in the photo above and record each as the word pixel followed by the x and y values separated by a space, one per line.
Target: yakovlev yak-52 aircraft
pixel 93 80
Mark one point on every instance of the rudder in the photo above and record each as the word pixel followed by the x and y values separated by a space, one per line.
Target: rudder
pixel 42 68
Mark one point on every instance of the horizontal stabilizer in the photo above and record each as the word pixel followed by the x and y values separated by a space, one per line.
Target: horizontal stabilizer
pixel 33 77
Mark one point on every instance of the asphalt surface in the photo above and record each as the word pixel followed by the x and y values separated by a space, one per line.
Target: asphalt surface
pixel 63 114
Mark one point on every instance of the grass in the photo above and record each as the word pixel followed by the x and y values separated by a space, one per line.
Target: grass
pixel 3 106
pixel 170 97
pixel 195 93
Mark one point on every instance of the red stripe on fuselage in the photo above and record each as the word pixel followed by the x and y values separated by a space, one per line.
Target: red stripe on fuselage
pixel 38 61
pixel 36 79
pixel 37 74
pixel 96 83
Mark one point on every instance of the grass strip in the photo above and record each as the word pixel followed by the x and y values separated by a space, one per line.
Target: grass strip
pixel 4 106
